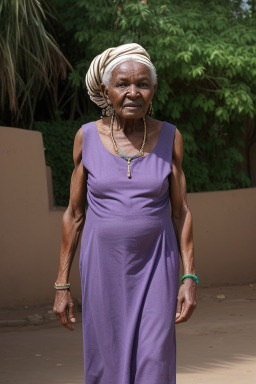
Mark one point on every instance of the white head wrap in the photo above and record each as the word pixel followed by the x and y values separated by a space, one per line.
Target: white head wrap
pixel 107 61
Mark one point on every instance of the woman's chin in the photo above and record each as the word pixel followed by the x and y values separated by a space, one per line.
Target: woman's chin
pixel 131 113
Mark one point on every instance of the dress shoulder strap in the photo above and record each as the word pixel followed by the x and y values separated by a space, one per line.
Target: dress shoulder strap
pixel 165 147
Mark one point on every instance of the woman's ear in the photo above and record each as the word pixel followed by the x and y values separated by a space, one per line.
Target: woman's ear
pixel 104 90
pixel 155 87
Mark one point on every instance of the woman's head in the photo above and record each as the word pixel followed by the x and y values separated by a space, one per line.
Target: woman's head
pixel 121 59
pixel 130 60
pixel 130 89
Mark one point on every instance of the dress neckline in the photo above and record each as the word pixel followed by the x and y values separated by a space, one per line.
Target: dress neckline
pixel 141 157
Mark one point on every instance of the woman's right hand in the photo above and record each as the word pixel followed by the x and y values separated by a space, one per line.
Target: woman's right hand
pixel 64 308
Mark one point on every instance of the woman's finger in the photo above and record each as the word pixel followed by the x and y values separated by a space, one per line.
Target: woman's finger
pixel 191 309
pixel 64 321
pixel 178 309
pixel 183 313
pixel 71 315
pixel 186 312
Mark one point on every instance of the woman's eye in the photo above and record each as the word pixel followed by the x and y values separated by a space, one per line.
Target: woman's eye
pixel 121 85
pixel 143 85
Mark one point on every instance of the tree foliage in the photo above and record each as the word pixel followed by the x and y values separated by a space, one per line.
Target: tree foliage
pixel 205 55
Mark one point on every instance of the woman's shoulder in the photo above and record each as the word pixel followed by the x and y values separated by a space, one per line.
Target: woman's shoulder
pixel 85 131
pixel 158 123
pixel 78 146
pixel 82 131
pixel 171 131
pixel 173 128
pixel 86 126
pixel 84 134
pixel 79 136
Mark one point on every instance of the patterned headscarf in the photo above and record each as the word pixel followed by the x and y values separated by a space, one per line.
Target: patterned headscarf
pixel 107 61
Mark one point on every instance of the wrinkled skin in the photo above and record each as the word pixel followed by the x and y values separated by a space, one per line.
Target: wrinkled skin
pixel 130 91
pixel 64 308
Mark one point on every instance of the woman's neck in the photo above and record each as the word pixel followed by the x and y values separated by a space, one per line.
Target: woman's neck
pixel 128 125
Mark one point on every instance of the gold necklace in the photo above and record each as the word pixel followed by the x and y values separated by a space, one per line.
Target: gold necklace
pixel 128 158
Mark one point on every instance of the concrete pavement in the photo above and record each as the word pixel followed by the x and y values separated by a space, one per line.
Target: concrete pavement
pixel 217 345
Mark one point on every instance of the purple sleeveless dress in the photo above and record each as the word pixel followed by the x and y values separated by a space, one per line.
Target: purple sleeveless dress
pixel 129 265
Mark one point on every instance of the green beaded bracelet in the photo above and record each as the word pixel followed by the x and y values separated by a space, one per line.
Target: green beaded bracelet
pixel 59 287
pixel 191 276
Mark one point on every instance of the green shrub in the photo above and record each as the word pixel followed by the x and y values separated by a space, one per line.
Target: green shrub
pixel 58 139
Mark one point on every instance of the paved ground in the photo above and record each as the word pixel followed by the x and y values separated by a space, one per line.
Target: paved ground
pixel 217 346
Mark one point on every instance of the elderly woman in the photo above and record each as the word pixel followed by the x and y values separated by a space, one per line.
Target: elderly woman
pixel 129 166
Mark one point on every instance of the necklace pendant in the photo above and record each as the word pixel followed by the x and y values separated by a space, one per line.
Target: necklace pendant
pixel 129 168
pixel 128 158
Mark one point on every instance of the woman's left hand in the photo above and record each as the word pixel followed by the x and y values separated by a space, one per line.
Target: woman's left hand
pixel 186 302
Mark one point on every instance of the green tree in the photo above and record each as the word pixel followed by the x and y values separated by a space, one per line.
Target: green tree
pixel 252 7
pixel 204 53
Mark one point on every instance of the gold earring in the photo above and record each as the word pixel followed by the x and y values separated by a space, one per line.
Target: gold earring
pixel 110 110
pixel 107 111
pixel 103 112
pixel 150 109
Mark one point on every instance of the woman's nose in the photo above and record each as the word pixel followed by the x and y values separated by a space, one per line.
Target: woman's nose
pixel 133 91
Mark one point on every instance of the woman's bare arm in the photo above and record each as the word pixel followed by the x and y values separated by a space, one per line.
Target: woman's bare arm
pixel 72 224
pixel 182 220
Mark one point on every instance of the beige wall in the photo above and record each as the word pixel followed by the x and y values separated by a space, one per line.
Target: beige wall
pixel 225 236
pixel 30 228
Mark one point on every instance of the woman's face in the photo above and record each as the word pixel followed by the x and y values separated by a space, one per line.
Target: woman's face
pixel 130 89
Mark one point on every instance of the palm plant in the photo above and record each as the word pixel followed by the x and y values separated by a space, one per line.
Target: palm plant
pixel 30 60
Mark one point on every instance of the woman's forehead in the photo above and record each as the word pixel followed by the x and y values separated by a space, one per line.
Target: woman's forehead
pixel 131 67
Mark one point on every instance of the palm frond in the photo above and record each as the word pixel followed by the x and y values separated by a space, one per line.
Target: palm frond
pixel 30 57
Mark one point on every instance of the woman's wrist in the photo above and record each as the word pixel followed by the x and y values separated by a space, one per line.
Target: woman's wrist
pixel 191 277
pixel 189 270
pixel 61 282
pixel 61 286
pixel 62 278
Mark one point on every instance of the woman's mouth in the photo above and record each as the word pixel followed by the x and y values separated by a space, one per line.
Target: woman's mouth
pixel 130 105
